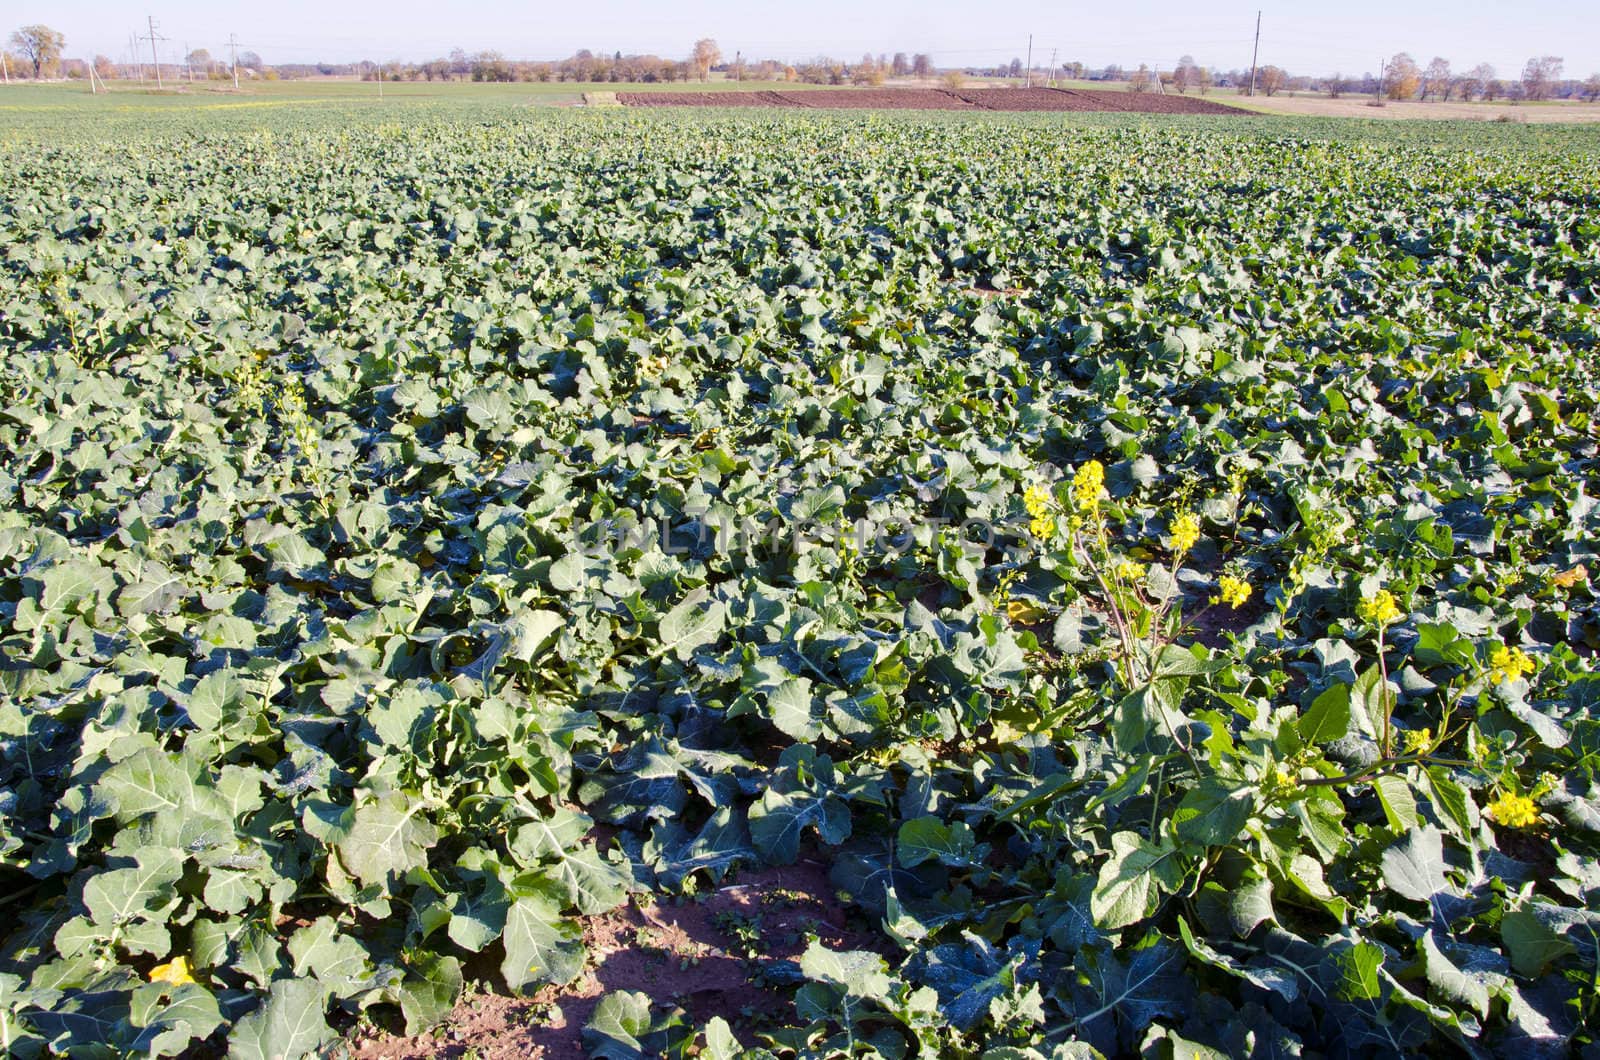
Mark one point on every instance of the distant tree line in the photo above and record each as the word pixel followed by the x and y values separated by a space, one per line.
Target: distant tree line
pixel 1401 78
pixel 36 51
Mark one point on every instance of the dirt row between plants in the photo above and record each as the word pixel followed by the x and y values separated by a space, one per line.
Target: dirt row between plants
pixel 716 955
pixel 968 99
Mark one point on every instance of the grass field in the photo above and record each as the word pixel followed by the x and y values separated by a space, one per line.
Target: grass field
pixel 547 581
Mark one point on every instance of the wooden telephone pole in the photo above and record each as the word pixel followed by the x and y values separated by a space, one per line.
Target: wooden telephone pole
pixel 1255 53
pixel 154 58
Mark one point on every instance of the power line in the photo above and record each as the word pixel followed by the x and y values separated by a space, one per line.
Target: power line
pixel 152 38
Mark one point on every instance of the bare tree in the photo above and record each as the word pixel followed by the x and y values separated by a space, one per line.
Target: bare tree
pixel 1143 80
pixel 901 65
pixel 953 79
pixel 1186 74
pixel 1540 75
pixel 706 54
pixel 1401 78
pixel 1273 79
pixel 104 68
pixel 921 65
pixel 1479 80
pixel 1591 88
pixel 1436 79
pixel 199 59
pixel 867 72
pixel 1475 82
pixel 40 45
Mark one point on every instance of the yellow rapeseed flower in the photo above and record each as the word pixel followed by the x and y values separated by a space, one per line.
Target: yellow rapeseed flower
pixel 1041 523
pixel 1233 591
pixel 1513 811
pixel 1130 571
pixel 1419 741
pixel 1087 485
pixel 1508 664
pixel 1379 609
pixel 175 971
pixel 1185 532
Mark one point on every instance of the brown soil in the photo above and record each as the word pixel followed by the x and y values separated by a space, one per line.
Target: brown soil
pixel 1561 112
pixel 679 955
pixel 968 99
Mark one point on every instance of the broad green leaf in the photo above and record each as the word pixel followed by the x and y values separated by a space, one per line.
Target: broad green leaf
pixel 388 836
pixel 1328 718
pixel 1355 972
pixel 1133 879
pixel 1414 867
pixel 860 973
pixel 1213 813
pixel 325 951
pixel 1399 808
pixel 929 839
pixel 791 707
pixel 289 1025
pixel 690 625
pixel 619 1023
pixel 541 946
pixel 1533 945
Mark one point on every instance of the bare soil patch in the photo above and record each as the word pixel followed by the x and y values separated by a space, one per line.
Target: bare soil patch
pixel 969 99
pixel 1558 113
pixel 705 955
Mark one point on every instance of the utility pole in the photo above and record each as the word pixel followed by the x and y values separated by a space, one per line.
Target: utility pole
pixel 92 90
pixel 1255 54
pixel 133 50
pixel 233 50
pixel 1030 61
pixel 1052 67
pixel 187 65
pixel 1377 91
pixel 5 67
pixel 154 58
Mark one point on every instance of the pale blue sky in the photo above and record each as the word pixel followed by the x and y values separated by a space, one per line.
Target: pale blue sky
pixel 1348 37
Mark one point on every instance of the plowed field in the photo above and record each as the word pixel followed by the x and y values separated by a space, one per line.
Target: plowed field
pixel 1006 99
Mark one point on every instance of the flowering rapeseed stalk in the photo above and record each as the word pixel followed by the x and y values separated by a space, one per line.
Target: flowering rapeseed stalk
pixel 1042 523
pixel 1185 533
pixel 1379 609
pixel 1087 486
pixel 1508 664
